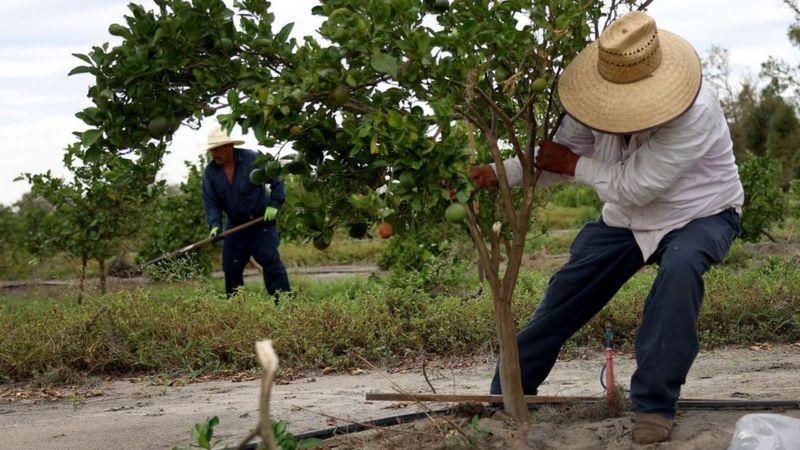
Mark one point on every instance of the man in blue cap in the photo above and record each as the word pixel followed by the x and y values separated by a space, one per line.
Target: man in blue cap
pixel 227 187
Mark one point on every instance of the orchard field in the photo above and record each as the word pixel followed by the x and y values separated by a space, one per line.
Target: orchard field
pixel 187 350
pixel 400 268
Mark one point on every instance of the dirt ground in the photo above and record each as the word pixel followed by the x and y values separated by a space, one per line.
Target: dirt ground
pixel 142 415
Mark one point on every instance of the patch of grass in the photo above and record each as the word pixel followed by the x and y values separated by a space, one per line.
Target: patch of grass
pixel 738 255
pixel 58 266
pixel 552 242
pixel 556 217
pixel 190 327
pixel 343 250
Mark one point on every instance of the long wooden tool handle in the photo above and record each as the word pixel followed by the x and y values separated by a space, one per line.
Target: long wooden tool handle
pixel 203 243
pixel 455 398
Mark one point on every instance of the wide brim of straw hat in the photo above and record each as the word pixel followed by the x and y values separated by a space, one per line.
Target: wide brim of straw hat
pixel 624 108
pixel 204 147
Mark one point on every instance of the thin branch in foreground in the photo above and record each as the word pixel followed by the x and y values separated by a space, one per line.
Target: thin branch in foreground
pixel 425 374
pixel 427 410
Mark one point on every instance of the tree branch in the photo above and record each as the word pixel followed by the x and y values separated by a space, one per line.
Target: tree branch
pixel 483 252
pixel 644 5
pixel 502 177
pixel 509 125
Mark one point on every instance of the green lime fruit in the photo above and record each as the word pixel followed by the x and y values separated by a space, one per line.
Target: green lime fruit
pixel 407 180
pixel 340 95
pixel 258 176
pixel 322 242
pixel 539 84
pixel 455 213
pixel 273 169
pixel 359 201
pixel 358 230
pixel 158 127
pixel 296 167
pixel 441 6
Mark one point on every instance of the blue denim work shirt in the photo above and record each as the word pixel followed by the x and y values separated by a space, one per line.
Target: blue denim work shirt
pixel 240 199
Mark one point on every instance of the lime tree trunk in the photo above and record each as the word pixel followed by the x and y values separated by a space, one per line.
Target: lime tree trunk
pixel 510 376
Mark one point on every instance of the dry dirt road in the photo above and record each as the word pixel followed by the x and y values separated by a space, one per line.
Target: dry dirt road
pixel 137 415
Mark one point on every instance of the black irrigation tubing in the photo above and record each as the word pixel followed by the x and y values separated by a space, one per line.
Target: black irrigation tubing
pixel 357 427
pixel 405 418
pixel 738 404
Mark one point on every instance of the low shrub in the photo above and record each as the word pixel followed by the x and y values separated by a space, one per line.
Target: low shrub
pixel 189 328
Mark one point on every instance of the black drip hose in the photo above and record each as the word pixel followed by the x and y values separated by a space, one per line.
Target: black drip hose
pixel 685 405
pixel 350 428
pixel 737 404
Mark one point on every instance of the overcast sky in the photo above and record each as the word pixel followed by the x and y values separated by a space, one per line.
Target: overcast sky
pixel 39 101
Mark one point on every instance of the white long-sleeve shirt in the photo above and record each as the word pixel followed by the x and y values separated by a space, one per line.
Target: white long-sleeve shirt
pixel 663 179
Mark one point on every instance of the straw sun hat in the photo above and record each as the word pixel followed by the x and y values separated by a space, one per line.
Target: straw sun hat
pixel 218 138
pixel 633 78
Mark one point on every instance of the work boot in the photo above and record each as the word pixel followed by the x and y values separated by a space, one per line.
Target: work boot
pixel 651 428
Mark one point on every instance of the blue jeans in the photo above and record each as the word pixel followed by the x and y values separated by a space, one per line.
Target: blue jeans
pixel 602 259
pixel 260 242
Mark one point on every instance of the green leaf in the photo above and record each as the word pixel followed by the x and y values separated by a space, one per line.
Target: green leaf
pixel 379 163
pixel 384 63
pixel 233 98
pixel 82 57
pixel 284 33
pixel 80 69
pixel 116 29
pixel 89 137
pixel 310 443
pixel 261 135
pixel 92 153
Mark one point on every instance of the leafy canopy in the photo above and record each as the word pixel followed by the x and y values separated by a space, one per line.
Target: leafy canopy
pixel 387 92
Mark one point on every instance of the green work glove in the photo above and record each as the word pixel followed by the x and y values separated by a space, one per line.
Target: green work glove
pixel 213 233
pixel 270 214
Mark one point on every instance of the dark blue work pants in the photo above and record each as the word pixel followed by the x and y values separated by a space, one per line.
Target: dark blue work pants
pixel 602 259
pixel 260 242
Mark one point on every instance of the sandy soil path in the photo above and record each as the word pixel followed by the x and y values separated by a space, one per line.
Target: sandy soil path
pixel 141 416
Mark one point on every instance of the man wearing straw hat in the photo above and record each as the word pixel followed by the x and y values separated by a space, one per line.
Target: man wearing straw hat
pixel 650 137
pixel 227 187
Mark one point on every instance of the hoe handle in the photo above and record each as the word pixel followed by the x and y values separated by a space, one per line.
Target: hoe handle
pixel 203 243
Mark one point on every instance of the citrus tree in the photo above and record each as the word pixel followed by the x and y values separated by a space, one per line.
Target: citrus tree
pixel 97 206
pixel 380 112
